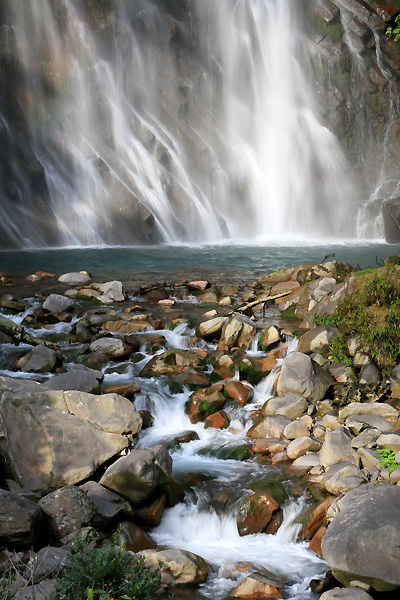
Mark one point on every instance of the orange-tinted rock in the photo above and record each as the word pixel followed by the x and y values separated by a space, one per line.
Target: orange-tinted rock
pixel 315 544
pixel 313 518
pixel 238 391
pixel 254 586
pixel 275 523
pixel 204 402
pixel 125 327
pixel 199 285
pixel 218 420
pixel 150 516
pixel 255 513
pixel 134 538
pixel 123 389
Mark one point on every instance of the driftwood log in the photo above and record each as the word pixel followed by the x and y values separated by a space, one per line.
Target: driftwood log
pixel 19 334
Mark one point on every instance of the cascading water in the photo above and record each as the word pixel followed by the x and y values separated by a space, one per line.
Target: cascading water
pixel 149 127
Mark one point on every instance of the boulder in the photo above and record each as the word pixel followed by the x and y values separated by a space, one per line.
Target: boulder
pixel 38 360
pixel 391 441
pixel 58 447
pixel 305 463
pixel 134 538
pixel 301 446
pixel 80 278
pixel 178 567
pixel 211 327
pixel 360 422
pixel 350 593
pixel 47 562
pixel 269 427
pixel 370 408
pixel 38 591
pixel 290 405
pixel 135 476
pixel 111 347
pixel 80 380
pixel 20 520
pixel 317 340
pixel 336 447
pixel 109 506
pixel 68 509
pixel 112 289
pixel 235 332
pixel 108 412
pixel 257 509
pixel 238 391
pixel 204 402
pixel 56 303
pixel 343 477
pixel 362 542
pixel 299 375
pixel 370 375
pixel 255 586
pixel 173 361
pixel 296 429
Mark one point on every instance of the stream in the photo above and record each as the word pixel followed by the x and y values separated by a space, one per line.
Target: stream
pixel 215 482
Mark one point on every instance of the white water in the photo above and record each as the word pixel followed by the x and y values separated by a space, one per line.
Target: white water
pixel 225 142
pixel 195 524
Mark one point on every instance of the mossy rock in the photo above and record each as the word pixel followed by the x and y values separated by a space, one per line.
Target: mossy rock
pixel 239 453
pixel 275 489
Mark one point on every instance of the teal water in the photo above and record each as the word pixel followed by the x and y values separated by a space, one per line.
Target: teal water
pixel 224 262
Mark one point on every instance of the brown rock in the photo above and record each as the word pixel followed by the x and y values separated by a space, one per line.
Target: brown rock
pixel 269 445
pixel 238 391
pixel 255 586
pixel 315 544
pixel 255 513
pixel 203 403
pixel 134 538
pixel 68 509
pixel 123 389
pixel 150 516
pixel 313 518
pixel 218 420
pixel 124 327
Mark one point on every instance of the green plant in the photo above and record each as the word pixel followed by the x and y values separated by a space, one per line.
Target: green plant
pixel 393 31
pixel 105 573
pixel 387 459
pixel 373 311
pixel 5 586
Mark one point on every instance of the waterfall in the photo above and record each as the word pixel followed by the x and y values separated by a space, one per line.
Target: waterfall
pixel 144 124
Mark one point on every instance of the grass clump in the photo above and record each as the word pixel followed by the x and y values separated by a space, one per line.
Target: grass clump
pixel 387 459
pixel 373 311
pixel 105 573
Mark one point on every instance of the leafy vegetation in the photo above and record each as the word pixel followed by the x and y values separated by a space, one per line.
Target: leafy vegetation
pixel 373 311
pixel 105 573
pixel 393 31
pixel 387 459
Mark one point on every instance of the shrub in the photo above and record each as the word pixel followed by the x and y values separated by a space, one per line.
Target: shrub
pixel 393 31
pixel 105 573
pixel 387 459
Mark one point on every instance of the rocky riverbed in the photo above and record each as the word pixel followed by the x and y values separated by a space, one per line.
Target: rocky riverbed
pixel 147 400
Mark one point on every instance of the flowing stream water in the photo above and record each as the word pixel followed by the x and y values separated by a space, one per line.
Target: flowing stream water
pixel 194 129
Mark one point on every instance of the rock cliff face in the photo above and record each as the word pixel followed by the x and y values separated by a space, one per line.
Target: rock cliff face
pixel 356 73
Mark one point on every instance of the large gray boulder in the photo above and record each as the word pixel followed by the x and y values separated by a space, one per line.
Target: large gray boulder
pixel 68 509
pixel 109 506
pixel 300 375
pixel 38 360
pixel 336 447
pixel 317 340
pixel 20 520
pixel 80 380
pixel 362 542
pixel 135 476
pixel 58 447
pixel 343 477
pixel 79 278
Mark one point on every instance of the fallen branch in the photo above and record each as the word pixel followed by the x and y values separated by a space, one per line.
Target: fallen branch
pixel 260 301
pixel 19 334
